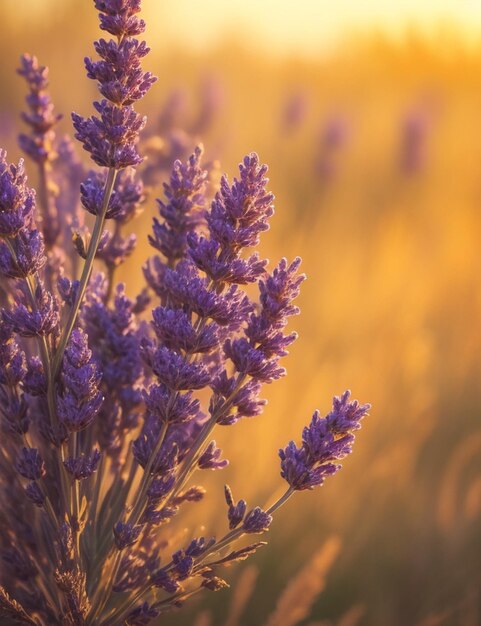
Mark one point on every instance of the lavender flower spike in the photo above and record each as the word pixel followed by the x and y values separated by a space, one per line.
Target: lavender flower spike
pixel 324 442
pixel 41 117
pixel 40 144
pixel 111 136
pixel 81 399
pixel 182 212
pixel 17 201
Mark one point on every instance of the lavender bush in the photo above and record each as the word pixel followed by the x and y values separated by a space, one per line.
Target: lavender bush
pixel 106 417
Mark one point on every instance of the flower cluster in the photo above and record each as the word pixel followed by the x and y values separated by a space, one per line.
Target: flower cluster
pixel 39 145
pixel 324 442
pixel 112 134
pixel 41 116
pixel 21 250
pixel 108 409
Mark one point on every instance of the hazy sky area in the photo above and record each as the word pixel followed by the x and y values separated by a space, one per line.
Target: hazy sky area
pixel 301 26
pixel 308 26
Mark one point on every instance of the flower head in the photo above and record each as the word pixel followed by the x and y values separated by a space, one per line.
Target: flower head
pixel 112 135
pixel 324 442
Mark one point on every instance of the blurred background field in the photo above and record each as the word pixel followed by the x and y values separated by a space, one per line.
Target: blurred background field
pixel 374 149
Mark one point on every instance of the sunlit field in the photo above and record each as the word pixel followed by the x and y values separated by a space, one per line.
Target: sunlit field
pixel 374 154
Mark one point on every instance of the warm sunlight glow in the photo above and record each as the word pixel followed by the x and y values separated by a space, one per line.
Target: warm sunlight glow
pixel 305 26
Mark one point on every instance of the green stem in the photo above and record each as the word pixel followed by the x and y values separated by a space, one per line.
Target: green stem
pixel 86 272
pixel 111 268
pixel 30 281
pixel 146 477
pixel 45 200
pixel 104 594
pixel 231 536
pixel 194 453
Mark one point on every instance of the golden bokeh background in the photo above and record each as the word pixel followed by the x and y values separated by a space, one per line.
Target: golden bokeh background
pixel 369 119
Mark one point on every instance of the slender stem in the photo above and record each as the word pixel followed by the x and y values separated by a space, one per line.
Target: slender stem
pixel 104 593
pixel 146 477
pixel 95 500
pixel 225 541
pixel 194 453
pixel 110 283
pixel 111 268
pixel 134 516
pixel 121 612
pixel 45 201
pixel 282 500
pixel 44 350
pixel 238 532
pixel 86 272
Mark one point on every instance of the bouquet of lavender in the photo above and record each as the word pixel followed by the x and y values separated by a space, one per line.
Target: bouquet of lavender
pixel 107 413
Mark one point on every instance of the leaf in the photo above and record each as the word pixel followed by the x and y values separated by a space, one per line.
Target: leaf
pixel 240 555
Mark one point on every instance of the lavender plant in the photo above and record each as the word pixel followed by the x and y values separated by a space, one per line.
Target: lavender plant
pixel 106 416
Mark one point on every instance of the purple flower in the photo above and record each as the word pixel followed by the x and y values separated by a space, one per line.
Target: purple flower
pixel 239 213
pixel 210 458
pixel 256 521
pixel 166 581
pixel 155 517
pixel 83 466
pixel 237 511
pixel 209 257
pixel 116 249
pixel 125 201
pixel 41 118
pixel 164 407
pixel 22 249
pixel 29 464
pixel 252 361
pixel 118 17
pixel 160 487
pixel 183 287
pixel 277 292
pixel 81 399
pixel 167 458
pixel 23 256
pixel 125 534
pixel 325 441
pixel 175 330
pixel 182 212
pixel 39 144
pixel 112 135
pixel 183 564
pixel 142 615
pixel 37 319
pixel 198 546
pixel 12 359
pixel 17 201
pixel 35 494
pixel 346 415
pixel 193 494
pixel 175 372
pixel 119 73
